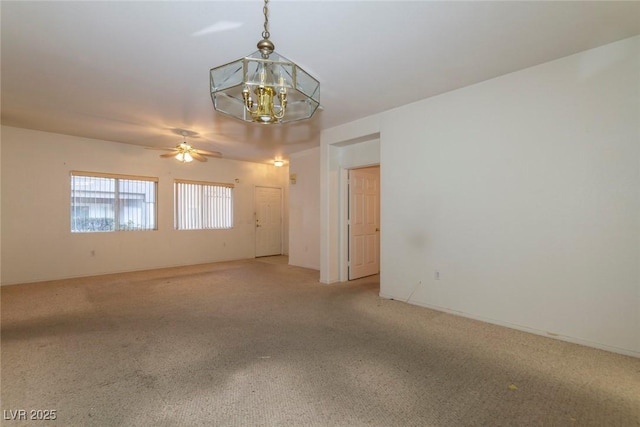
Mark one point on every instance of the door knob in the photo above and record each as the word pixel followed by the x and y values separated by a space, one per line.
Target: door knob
pixel 377 229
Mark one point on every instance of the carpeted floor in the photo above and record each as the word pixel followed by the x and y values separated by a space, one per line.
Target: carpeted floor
pixel 261 343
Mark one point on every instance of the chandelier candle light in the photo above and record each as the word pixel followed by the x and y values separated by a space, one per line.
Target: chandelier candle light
pixel 264 87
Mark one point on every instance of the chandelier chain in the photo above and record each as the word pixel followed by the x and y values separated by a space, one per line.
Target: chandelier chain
pixel 265 11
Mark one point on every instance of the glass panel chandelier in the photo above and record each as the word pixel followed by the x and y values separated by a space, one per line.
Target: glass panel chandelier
pixel 264 87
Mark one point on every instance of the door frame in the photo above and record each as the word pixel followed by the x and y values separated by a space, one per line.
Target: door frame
pixel 348 222
pixel 343 231
pixel 255 217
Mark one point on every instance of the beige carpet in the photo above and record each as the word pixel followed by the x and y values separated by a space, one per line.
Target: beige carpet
pixel 260 343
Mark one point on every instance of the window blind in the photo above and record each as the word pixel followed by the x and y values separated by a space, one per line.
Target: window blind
pixel 203 205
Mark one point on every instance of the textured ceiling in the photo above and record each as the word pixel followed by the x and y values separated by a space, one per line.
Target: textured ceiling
pixel 138 72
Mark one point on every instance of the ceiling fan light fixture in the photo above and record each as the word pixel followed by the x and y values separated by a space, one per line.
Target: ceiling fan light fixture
pixel 185 153
pixel 264 87
pixel 184 157
pixel 278 163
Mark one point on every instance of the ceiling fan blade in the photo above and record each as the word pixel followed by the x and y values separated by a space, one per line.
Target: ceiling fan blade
pixel 209 153
pixel 197 156
pixel 172 154
pixel 160 148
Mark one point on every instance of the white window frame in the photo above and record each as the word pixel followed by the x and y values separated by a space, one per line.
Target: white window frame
pixel 215 215
pixel 151 225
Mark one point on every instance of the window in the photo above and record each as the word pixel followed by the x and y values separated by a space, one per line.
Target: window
pixel 107 202
pixel 203 205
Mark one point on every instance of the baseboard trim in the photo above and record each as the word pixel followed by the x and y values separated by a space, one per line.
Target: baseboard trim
pixel 108 273
pixel 547 334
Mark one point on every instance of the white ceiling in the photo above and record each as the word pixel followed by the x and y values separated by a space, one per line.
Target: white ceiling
pixel 138 72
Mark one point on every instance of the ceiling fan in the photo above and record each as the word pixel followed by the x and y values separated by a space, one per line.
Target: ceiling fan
pixel 185 153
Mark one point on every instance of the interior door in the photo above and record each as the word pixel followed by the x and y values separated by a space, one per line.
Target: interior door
pixel 268 225
pixel 364 222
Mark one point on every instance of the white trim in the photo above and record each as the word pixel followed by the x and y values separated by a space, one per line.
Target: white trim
pixel 343 218
pixel 343 228
pixel 547 334
pixel 255 215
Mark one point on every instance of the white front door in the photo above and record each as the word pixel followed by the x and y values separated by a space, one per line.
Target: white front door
pixel 268 221
pixel 364 222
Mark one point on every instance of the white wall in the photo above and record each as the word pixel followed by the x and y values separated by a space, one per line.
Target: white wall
pixel 36 239
pixel 304 209
pixel 524 193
